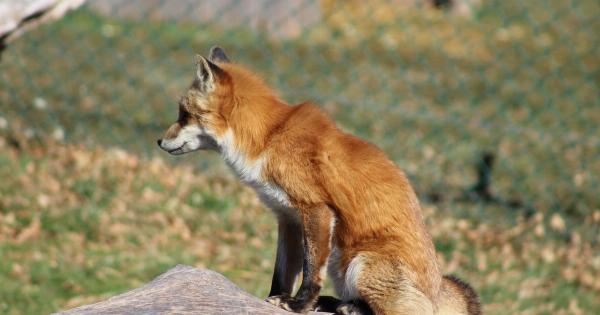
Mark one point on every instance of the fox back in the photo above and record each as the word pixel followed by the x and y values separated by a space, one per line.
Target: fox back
pixel 341 204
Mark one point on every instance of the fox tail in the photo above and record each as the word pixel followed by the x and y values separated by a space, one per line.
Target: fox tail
pixel 458 297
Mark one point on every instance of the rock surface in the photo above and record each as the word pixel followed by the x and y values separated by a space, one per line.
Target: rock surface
pixel 18 16
pixel 183 290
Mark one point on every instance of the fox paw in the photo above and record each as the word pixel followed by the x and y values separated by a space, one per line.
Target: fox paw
pixel 356 308
pixel 275 299
pixel 288 303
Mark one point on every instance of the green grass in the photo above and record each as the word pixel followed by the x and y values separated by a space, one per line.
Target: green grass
pixel 434 91
pixel 82 221
pixel 70 234
pixel 64 244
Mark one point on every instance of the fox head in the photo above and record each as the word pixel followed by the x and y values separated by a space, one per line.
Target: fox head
pixel 203 108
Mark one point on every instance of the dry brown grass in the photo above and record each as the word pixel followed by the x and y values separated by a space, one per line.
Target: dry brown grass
pixel 78 225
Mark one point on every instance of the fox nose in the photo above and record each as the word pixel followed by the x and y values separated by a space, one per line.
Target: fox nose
pixel 159 141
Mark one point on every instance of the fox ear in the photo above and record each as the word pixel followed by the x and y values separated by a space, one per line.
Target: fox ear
pixel 217 54
pixel 206 73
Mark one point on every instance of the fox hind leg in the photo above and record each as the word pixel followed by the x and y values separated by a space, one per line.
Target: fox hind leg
pixel 386 289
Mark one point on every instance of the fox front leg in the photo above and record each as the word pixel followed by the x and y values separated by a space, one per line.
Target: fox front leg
pixel 316 227
pixel 288 262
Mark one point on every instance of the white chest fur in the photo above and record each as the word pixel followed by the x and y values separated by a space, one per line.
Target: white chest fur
pixel 250 173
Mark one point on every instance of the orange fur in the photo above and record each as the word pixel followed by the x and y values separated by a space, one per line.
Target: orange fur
pixel 327 174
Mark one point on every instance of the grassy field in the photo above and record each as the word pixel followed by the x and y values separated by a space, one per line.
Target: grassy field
pixel 89 208
pixel 79 225
pixel 434 101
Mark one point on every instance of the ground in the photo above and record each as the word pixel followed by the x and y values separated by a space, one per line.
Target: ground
pixel 89 206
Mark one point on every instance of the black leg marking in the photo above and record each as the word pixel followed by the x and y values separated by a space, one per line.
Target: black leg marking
pixel 326 303
pixel 288 262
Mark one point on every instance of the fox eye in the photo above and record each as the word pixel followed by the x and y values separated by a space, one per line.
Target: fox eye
pixel 184 115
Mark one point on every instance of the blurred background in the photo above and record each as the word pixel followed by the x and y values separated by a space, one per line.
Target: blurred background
pixel 491 107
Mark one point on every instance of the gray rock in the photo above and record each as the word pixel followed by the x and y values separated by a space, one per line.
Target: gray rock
pixel 183 290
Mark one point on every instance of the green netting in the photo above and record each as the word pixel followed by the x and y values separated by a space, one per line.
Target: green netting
pixel 436 88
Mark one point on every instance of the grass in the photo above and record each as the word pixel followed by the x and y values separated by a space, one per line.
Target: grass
pixel 523 86
pixel 71 233
pixel 88 208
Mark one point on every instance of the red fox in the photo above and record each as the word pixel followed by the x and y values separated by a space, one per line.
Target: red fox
pixel 342 206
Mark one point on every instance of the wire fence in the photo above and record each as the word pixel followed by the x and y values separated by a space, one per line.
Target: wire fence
pixel 449 89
